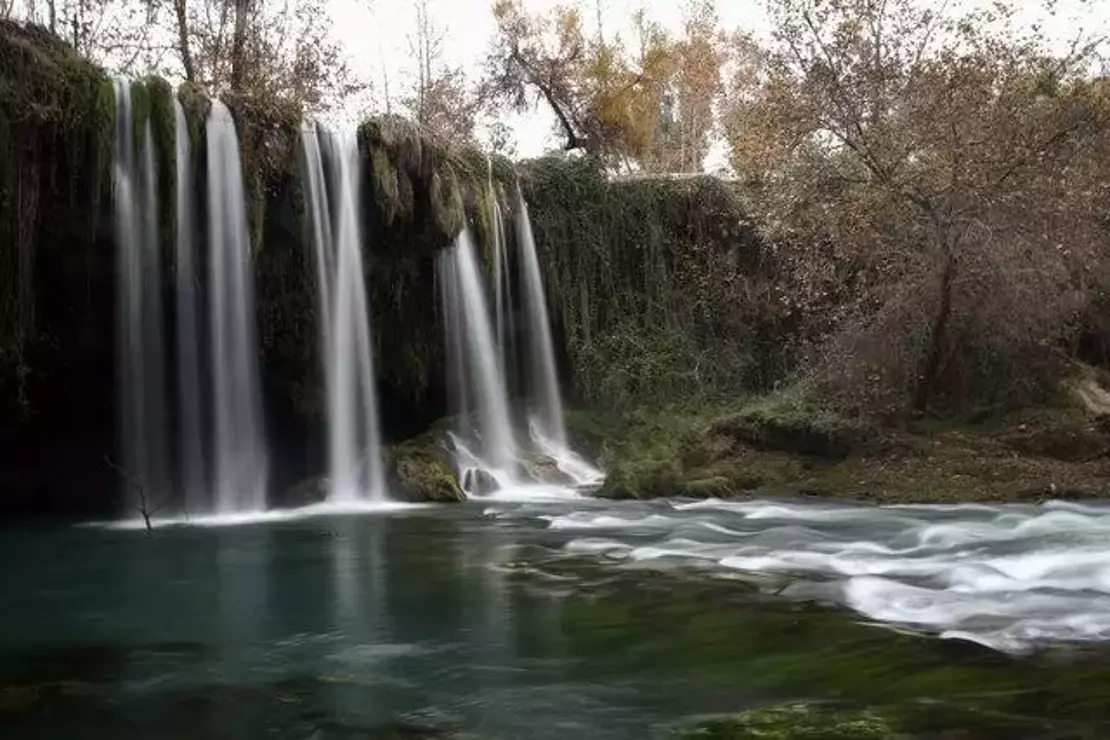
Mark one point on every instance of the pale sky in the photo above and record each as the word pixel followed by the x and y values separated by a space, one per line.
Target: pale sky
pixel 375 34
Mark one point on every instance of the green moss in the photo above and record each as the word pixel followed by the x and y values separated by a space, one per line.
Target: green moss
pixel 795 421
pixel 386 186
pixel 789 444
pixel 793 722
pixel 163 126
pixel 447 204
pixel 140 106
pixel 421 471
pixel 662 288
pixel 104 127
pixel 195 104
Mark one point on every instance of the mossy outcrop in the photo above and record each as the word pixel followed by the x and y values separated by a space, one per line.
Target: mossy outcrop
pixel 793 443
pixel 792 722
pixel 418 194
pixel 420 470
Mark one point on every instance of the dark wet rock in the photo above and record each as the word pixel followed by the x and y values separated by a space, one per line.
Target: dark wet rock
pixel 479 483
pixel 309 491
pixel 544 469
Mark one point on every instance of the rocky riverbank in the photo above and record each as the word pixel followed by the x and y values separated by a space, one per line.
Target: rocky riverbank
pixel 790 444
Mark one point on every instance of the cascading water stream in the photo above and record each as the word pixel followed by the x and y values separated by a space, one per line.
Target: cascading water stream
pixel 191 440
pixel 504 324
pixel 354 439
pixel 140 340
pixel 473 361
pixel 546 414
pixel 239 454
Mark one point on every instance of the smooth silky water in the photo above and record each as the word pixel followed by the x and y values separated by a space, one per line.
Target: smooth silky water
pixel 554 619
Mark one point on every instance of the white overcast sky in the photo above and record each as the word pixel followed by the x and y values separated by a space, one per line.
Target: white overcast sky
pixel 375 34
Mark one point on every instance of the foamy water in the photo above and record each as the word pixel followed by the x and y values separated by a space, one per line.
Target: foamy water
pixel 329 508
pixel 1009 577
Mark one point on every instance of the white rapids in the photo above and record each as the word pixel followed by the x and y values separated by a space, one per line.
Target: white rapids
pixel 1010 577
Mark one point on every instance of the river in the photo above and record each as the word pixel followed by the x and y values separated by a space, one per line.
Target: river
pixel 557 618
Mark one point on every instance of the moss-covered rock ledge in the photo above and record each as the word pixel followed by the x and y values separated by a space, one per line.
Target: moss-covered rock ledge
pixel 421 470
pixel 790 443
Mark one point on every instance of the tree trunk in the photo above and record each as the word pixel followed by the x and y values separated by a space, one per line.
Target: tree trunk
pixel 926 384
pixel 183 40
pixel 52 8
pixel 239 45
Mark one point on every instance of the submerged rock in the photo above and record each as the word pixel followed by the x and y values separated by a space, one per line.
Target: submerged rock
pixel 793 722
pixel 545 469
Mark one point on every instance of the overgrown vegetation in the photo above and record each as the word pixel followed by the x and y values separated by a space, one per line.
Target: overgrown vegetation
pixel 793 722
pixel 796 442
pixel 419 191
pixel 935 182
pixel 57 121
pixel 662 288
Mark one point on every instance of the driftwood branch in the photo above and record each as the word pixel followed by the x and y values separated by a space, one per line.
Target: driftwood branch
pixel 144 508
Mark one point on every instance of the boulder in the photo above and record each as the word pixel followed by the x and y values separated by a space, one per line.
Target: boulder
pixel 420 470
pixel 544 469
pixel 479 482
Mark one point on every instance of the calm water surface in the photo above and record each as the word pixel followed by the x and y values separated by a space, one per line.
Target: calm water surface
pixel 558 619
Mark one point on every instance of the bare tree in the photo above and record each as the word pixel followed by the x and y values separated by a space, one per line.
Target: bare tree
pixel 181 18
pixel 439 98
pixel 928 166
pixel 144 507
pixel 426 46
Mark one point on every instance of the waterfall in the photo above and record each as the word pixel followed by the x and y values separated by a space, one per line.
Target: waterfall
pixel 191 444
pixel 546 409
pixel 546 415
pixel 354 439
pixel 139 318
pixel 502 292
pixel 473 360
pixel 240 459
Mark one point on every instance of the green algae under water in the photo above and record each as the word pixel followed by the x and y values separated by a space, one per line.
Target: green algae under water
pixel 446 622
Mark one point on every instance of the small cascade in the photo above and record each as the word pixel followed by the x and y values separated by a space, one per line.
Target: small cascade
pixel 473 361
pixel 239 454
pixel 142 390
pixel 546 415
pixel 191 439
pixel 354 439
pixel 504 324
pixel 546 402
